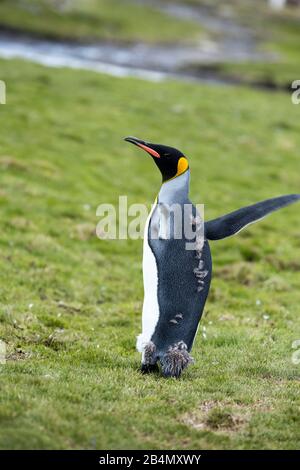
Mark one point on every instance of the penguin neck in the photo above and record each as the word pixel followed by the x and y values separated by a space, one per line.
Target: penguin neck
pixel 175 190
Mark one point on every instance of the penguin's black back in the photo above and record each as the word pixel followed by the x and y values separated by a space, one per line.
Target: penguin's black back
pixel 181 294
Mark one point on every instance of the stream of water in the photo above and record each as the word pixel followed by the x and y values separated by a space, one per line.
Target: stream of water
pixel 146 61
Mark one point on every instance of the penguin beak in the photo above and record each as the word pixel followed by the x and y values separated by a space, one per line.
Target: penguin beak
pixel 143 145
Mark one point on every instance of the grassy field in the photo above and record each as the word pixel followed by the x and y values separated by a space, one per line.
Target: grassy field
pixel 90 20
pixel 71 303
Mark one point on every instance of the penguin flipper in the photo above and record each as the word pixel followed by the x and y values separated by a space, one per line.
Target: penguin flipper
pixel 232 223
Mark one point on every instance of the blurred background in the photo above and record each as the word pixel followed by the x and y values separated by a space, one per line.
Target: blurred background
pixel 212 78
pixel 248 41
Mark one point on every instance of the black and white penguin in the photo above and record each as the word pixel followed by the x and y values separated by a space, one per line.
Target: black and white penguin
pixel 177 267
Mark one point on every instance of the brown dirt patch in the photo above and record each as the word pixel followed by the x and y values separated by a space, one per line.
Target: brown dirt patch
pixel 221 417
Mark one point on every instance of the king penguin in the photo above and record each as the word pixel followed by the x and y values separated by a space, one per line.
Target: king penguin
pixel 177 265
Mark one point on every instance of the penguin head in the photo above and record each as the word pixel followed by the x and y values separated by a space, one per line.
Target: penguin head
pixel 170 161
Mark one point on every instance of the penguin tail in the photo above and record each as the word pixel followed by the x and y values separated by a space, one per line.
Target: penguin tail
pixel 234 222
pixel 175 360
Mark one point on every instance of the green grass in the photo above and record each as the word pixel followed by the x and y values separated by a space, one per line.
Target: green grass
pixel 71 304
pixel 89 20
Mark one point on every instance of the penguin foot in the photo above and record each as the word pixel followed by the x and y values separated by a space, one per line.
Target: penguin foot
pixel 149 368
pixel 149 362
pixel 175 360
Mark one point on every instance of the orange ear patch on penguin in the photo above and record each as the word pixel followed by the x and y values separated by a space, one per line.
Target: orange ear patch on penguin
pixel 182 166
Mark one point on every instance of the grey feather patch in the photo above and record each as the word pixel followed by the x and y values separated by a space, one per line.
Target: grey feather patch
pixel 176 319
pixel 179 315
pixel 175 360
pixel 200 274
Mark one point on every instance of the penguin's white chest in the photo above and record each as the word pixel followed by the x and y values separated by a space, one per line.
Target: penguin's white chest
pixel 150 314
